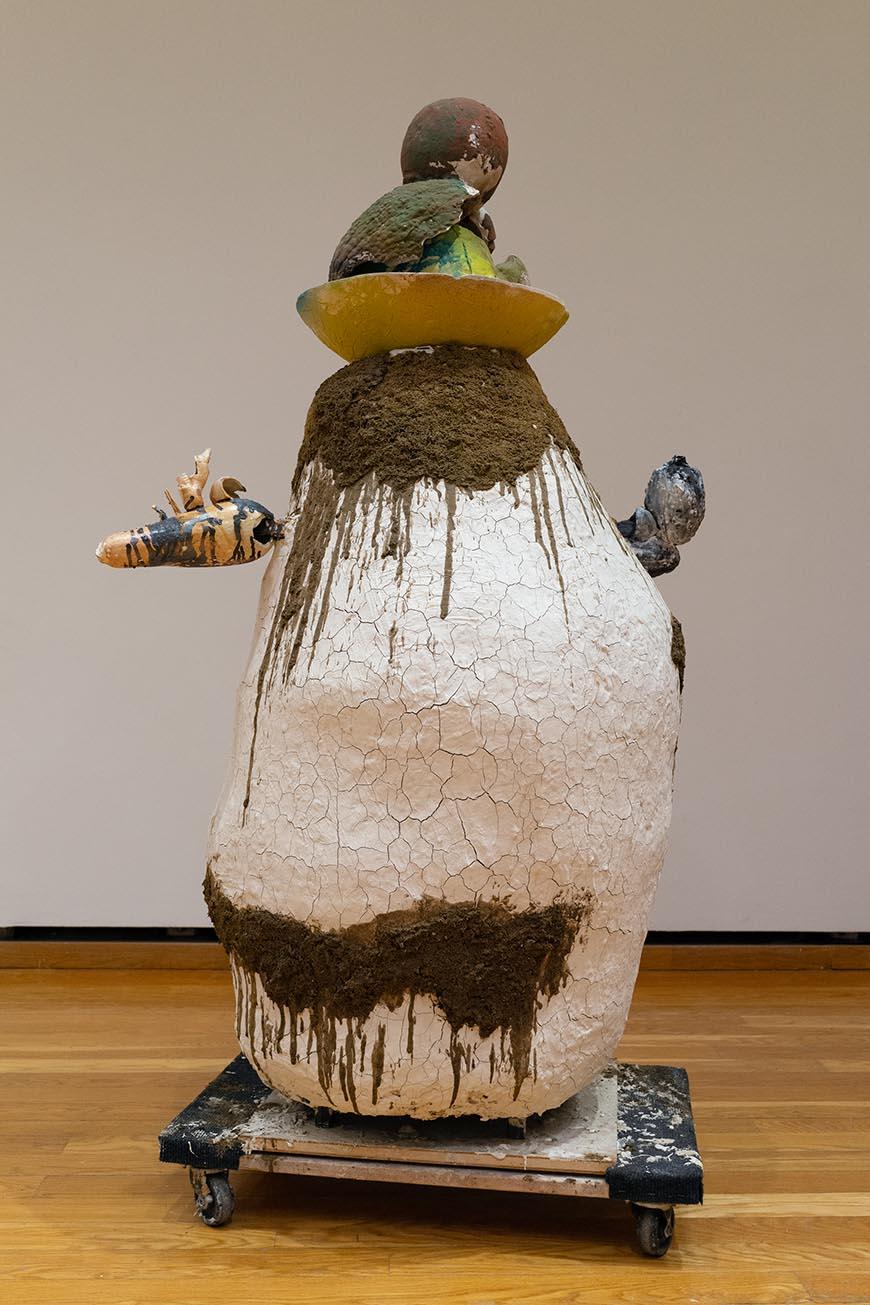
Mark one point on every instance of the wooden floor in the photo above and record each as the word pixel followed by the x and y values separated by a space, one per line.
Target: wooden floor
pixel 95 1062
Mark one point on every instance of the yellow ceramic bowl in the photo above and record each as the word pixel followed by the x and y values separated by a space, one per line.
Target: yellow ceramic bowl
pixel 378 311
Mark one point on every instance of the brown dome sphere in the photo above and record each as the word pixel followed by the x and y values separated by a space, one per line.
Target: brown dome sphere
pixel 456 137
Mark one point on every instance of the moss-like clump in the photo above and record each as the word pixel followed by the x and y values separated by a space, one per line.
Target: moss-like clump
pixel 484 964
pixel 473 417
pixel 392 231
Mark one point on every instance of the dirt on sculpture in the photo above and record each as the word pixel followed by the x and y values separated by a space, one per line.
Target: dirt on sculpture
pixel 472 417
pixel 485 966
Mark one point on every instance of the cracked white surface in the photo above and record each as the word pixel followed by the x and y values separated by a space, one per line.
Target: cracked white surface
pixel 519 747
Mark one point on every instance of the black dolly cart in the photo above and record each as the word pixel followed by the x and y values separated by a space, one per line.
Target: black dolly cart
pixel 629 1137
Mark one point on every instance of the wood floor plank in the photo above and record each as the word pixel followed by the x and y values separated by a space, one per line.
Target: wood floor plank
pixel 94 1061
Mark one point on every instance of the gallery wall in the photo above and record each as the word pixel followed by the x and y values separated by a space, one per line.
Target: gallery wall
pixel 690 177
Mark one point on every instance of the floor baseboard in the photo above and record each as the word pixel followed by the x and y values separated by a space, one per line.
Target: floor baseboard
pixel 74 949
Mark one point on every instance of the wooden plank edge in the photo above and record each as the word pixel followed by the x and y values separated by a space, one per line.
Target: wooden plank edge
pixel 514 1162
pixel 65 955
pixel 393 1171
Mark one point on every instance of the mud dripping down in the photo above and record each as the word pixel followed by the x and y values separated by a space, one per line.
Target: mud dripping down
pixel 484 965
pixel 328 515
pixel 298 587
pixel 450 495
pixel 472 418
pixel 678 649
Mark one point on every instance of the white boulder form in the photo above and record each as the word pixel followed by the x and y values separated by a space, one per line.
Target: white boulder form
pixel 439 840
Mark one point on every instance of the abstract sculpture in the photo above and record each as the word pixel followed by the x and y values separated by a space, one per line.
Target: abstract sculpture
pixel 438 843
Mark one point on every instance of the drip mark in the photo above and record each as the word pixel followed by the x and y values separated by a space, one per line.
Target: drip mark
pixel 558 484
pixel 345 529
pixel 545 504
pixel 378 1062
pixel 536 513
pixel 450 495
pixel 349 1051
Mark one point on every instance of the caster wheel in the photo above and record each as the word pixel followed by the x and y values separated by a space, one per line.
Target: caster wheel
pixel 654 1228
pixel 213 1197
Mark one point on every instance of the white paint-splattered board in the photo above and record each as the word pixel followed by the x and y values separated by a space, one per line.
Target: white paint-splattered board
pixel 578 1137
